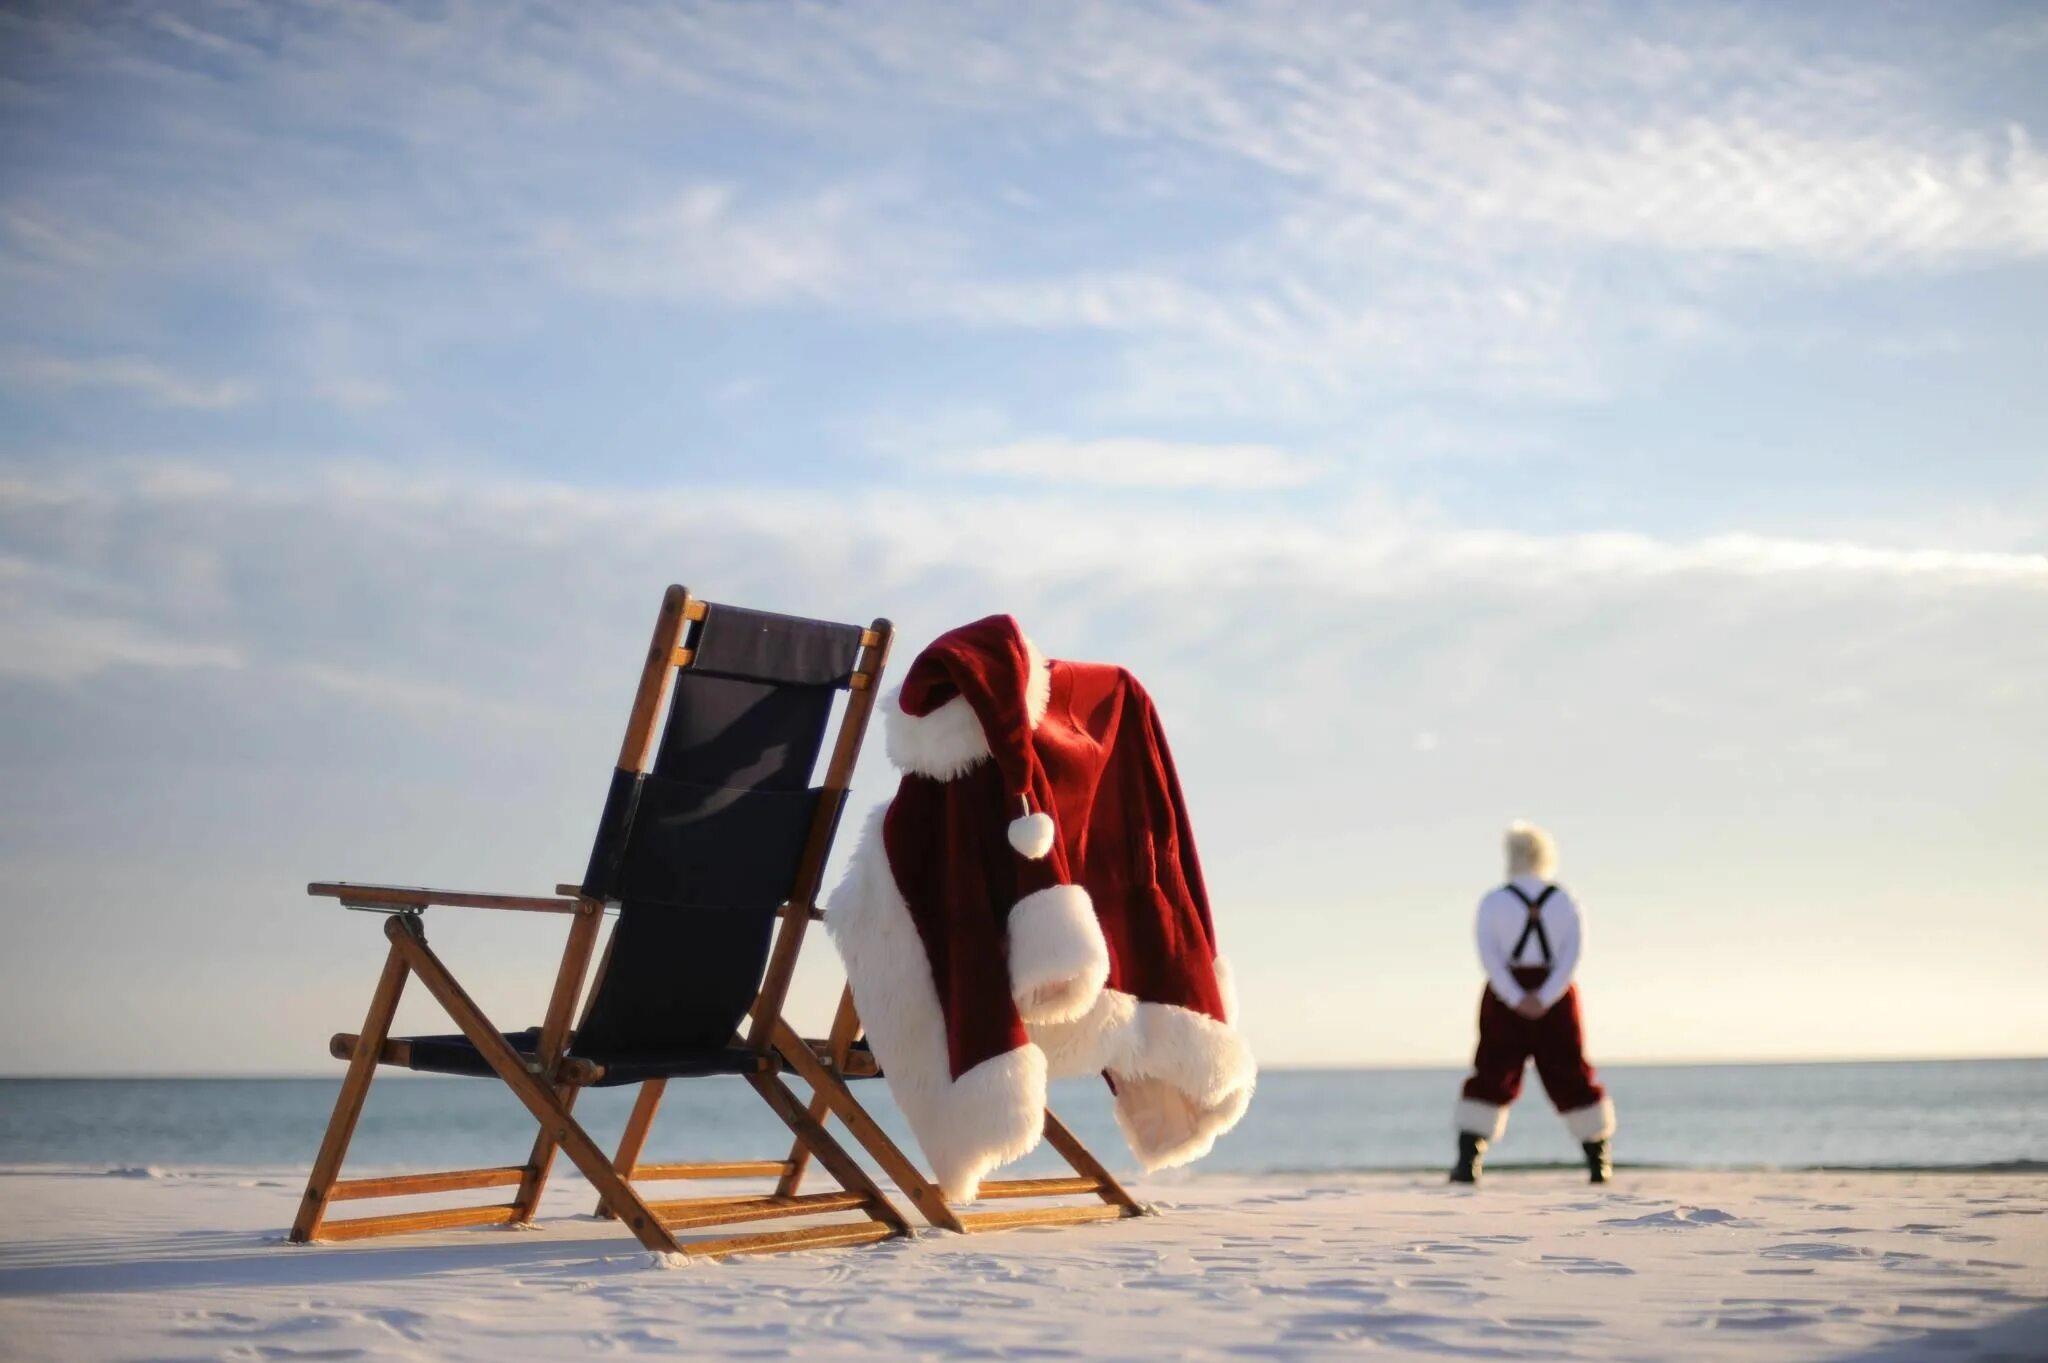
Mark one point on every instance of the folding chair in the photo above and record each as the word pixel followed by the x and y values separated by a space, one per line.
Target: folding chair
pixel 703 852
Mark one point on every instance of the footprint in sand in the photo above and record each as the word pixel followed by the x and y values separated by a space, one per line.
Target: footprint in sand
pixel 1580 1263
pixel 1344 1289
pixel 1387 1327
pixel 1550 1323
pixel 1806 1249
pixel 1921 1265
pixel 1684 1217
pixel 1758 1319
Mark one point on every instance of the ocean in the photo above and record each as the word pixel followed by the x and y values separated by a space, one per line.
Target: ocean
pixel 1894 1115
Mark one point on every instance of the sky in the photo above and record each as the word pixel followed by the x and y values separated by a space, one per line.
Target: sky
pixel 1625 417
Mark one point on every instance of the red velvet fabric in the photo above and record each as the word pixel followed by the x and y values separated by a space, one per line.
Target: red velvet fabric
pixel 1099 764
pixel 1556 1041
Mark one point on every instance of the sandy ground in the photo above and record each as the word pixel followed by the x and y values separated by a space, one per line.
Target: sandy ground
pixel 1663 1266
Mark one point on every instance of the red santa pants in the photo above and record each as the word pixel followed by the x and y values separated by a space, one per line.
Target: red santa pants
pixel 1557 1042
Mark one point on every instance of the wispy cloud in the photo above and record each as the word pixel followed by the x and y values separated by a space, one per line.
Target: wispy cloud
pixel 706 242
pixel 54 647
pixel 153 383
pixel 1138 463
pixel 1517 203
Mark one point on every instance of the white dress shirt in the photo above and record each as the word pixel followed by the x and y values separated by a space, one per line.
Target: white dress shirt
pixel 1502 917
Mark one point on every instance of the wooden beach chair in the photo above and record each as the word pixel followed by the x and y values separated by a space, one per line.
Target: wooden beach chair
pixel 703 851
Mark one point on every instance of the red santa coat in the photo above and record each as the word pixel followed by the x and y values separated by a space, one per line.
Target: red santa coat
pixel 1034 906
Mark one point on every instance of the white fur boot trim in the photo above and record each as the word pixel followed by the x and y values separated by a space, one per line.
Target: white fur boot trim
pixel 1480 1119
pixel 1595 1123
pixel 990 1116
pixel 1058 958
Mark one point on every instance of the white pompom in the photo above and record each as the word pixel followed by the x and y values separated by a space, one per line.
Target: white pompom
pixel 1032 835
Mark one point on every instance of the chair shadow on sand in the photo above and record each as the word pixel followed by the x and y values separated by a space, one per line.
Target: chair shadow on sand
pixel 203 1259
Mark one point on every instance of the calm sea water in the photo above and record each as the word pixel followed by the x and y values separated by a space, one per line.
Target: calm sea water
pixel 1932 1114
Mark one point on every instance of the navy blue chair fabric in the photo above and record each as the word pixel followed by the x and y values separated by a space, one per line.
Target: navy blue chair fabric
pixel 702 851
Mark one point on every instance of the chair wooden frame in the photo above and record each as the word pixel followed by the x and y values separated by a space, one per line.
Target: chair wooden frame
pixel 547 1084
pixel 825 1066
pixel 818 1065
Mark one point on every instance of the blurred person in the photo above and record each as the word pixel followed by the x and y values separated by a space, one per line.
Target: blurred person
pixel 1530 933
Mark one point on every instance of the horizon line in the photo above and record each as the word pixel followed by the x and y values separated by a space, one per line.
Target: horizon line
pixel 1311 1067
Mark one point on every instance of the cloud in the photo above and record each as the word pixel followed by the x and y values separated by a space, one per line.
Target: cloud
pixel 423 702
pixel 153 383
pixel 1139 463
pixel 844 244
pixel 1277 209
pixel 50 647
pixel 356 394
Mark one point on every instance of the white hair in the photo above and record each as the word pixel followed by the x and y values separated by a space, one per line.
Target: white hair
pixel 1530 851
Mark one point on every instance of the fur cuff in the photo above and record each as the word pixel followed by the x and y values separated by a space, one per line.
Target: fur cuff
pixel 1480 1119
pixel 1058 959
pixel 1182 1078
pixel 1595 1123
pixel 948 743
pixel 1167 1126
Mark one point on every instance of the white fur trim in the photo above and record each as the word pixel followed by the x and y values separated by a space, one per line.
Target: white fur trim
pixel 993 1114
pixel 1480 1119
pixel 1058 959
pixel 948 743
pixel 1032 835
pixel 1595 1123
pixel 945 744
pixel 1226 984
pixel 1182 1077
pixel 1037 683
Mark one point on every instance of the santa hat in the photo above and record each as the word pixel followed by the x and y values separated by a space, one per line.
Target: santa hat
pixel 976 694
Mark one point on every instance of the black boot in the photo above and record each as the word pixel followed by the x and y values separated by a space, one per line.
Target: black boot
pixel 1471 1152
pixel 1599 1162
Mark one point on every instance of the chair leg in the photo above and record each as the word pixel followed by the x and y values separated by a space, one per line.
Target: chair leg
pixel 1083 1162
pixel 539 1098
pixel 540 1161
pixel 845 1031
pixel 922 1192
pixel 634 1139
pixel 830 1153
pixel 348 1105
pixel 554 1041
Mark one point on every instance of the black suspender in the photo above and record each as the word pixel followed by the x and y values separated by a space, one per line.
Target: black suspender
pixel 1535 907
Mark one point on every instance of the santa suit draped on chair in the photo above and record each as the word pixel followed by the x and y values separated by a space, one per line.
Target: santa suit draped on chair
pixel 1030 904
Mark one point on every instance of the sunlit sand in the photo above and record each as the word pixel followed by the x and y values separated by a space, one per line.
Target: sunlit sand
pixel 1528 1265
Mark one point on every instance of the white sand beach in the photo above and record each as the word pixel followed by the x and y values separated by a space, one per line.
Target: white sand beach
pixel 1664 1265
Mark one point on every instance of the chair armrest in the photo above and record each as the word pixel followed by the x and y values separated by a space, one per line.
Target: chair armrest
pixel 574 891
pixel 398 897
